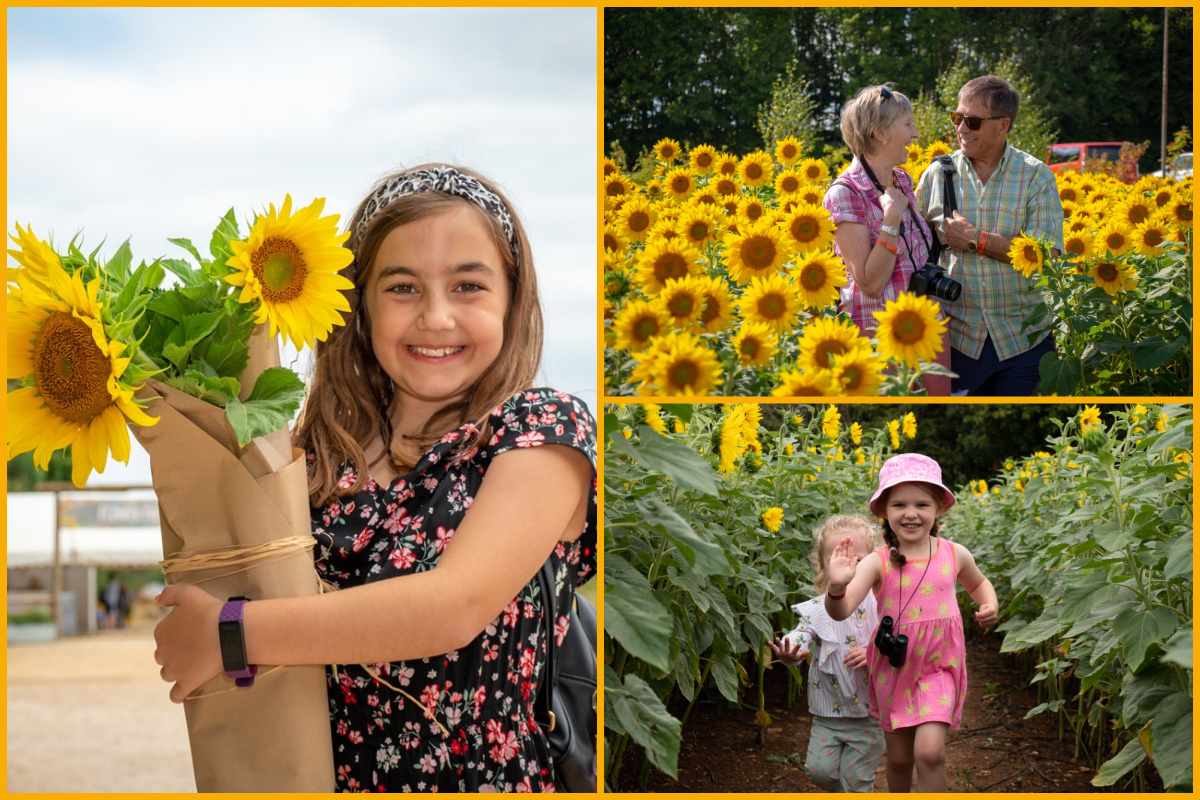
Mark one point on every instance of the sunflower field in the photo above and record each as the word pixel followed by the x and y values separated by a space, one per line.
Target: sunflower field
pixel 720 279
pixel 1122 292
pixel 709 519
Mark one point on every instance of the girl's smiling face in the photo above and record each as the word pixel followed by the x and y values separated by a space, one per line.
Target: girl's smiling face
pixel 437 298
pixel 911 512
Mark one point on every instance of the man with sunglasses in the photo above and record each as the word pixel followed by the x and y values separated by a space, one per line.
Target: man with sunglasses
pixel 1001 192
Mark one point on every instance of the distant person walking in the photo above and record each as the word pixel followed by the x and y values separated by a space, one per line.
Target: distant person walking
pixel 110 601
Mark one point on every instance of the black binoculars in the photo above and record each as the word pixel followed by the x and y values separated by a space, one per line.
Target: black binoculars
pixel 894 646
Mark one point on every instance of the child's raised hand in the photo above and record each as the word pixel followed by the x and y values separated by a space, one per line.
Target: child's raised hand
pixel 986 615
pixel 842 564
pixel 787 651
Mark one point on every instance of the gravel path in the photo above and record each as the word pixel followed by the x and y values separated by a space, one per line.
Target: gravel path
pixel 90 714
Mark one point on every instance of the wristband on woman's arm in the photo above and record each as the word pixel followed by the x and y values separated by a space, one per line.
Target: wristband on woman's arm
pixel 888 246
pixel 833 596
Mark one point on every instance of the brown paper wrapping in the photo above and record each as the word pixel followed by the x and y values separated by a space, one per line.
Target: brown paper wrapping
pixel 213 495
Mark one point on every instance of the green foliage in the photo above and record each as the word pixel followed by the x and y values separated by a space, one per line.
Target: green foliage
pixel 1091 576
pixel 1133 344
pixel 789 112
pixel 1090 553
pixel 700 74
pixel 694 583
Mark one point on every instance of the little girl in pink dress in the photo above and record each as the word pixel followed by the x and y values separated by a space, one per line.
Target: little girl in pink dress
pixel 918 677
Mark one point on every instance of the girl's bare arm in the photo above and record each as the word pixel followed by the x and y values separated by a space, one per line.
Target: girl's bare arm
pixel 504 538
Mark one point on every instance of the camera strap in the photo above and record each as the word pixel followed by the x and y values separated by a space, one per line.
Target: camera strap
pixel 949 203
pixel 900 580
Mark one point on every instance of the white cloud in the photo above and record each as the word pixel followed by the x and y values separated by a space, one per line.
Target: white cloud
pixel 149 123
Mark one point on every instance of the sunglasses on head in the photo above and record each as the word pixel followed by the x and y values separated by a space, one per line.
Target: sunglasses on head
pixel 972 122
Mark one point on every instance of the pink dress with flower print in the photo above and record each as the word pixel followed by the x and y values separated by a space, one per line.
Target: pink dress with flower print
pixel 932 684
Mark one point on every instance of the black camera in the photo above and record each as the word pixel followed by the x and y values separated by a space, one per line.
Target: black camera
pixel 932 279
pixel 895 647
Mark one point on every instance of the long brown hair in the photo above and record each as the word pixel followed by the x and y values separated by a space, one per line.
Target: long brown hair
pixel 349 394
pixel 890 537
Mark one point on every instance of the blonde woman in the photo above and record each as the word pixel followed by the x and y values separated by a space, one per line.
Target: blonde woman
pixel 879 236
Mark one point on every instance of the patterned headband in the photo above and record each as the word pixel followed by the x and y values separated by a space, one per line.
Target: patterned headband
pixel 446 180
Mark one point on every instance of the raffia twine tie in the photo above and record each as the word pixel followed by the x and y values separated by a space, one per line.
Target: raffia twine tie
pixel 232 560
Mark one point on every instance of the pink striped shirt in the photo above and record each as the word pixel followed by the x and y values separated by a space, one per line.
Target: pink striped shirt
pixel 852 198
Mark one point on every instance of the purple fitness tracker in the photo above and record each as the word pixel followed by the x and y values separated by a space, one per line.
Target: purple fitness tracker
pixel 233 643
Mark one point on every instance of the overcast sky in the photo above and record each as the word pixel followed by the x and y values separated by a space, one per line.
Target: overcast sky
pixel 151 123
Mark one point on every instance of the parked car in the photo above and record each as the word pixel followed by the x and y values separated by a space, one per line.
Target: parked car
pixel 1179 168
pixel 1063 157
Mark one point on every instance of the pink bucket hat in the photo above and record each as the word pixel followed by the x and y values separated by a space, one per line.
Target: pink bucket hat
pixel 909 467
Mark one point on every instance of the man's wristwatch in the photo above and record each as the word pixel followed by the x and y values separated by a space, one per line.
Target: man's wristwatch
pixel 973 244
pixel 890 230
pixel 233 643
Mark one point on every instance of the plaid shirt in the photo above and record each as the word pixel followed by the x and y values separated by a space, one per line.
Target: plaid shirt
pixel 1020 196
pixel 852 199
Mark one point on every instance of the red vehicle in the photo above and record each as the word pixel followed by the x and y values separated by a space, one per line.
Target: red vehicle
pixel 1063 157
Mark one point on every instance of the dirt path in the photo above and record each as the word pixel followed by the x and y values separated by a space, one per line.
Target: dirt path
pixel 996 749
pixel 90 714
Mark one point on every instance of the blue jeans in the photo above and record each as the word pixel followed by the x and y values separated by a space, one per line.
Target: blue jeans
pixel 988 376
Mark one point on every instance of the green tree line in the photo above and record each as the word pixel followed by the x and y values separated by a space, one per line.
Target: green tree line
pixel 700 74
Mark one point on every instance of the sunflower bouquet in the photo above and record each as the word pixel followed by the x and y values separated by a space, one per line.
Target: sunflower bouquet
pixel 191 366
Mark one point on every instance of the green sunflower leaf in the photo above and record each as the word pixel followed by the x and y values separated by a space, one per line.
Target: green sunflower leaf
pixel 276 395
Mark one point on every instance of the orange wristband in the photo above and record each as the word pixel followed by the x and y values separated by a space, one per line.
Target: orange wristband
pixel 895 250
pixel 982 241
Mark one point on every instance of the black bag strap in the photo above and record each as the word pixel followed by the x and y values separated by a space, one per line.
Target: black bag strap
pixel 550 678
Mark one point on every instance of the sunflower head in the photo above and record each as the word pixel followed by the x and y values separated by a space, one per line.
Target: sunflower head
pixel 809 227
pixel 909 329
pixel 857 373
pixel 757 249
pixel 638 323
pixel 666 150
pixel 756 169
pixel 818 278
pixel 74 391
pixel 702 159
pixel 826 337
pixel 677 364
pixel 1026 255
pixel 664 259
pixel 1113 238
pixel 788 151
pixel 803 383
pixel 635 218
pixel 814 170
pixel 718 313
pixel 1113 276
pixel 679 184
pixel 289 265
pixel 755 344
pixel 788 181
pixel 1150 236
pixel 772 301
pixel 683 299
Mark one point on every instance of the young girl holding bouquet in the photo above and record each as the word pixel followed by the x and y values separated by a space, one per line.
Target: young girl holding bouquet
pixel 440 482
pixel 846 742
pixel 918 677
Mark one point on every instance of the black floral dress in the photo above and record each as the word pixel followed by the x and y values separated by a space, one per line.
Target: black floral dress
pixel 483 694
